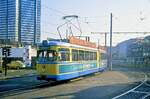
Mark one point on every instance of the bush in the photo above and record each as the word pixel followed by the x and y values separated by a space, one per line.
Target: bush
pixel 16 65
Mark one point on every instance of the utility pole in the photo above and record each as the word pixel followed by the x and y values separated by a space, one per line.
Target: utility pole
pixel 102 33
pixel 110 53
pixel 105 40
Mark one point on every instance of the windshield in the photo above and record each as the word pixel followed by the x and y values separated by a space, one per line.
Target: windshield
pixel 49 55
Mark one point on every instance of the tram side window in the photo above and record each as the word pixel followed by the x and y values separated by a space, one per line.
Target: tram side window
pixel 94 56
pixel 64 54
pixel 81 55
pixel 52 55
pixel 91 55
pixel 86 55
pixel 74 55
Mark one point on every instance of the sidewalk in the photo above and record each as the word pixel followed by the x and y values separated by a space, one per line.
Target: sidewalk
pixel 16 73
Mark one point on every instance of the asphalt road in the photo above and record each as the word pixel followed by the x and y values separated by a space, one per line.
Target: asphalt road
pixel 142 90
pixel 17 84
pixel 77 89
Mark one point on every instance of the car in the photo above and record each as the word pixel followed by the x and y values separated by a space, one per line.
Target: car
pixel 16 65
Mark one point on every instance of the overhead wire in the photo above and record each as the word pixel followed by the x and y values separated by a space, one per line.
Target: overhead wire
pixel 54 10
pixel 49 33
pixel 86 17
pixel 62 13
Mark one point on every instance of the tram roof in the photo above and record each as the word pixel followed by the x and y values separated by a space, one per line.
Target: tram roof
pixel 47 43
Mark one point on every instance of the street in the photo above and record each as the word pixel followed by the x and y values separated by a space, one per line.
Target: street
pixel 103 85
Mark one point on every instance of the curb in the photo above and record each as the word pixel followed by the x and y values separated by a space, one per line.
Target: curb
pixel 19 76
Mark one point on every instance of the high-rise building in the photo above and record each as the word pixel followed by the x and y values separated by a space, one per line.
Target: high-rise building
pixel 20 21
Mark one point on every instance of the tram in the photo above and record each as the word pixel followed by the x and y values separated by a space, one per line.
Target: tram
pixel 63 61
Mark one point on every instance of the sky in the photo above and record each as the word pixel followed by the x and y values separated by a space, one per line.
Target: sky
pixel 94 16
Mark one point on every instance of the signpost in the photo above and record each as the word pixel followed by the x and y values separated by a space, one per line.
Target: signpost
pixel 110 53
pixel 6 52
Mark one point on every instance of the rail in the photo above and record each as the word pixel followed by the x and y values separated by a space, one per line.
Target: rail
pixel 133 90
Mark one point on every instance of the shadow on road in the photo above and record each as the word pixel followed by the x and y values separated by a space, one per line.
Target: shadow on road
pixel 99 92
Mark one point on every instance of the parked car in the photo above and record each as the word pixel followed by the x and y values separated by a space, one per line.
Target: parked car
pixel 16 65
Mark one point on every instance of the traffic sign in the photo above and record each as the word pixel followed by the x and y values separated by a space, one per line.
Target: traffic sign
pixel 6 51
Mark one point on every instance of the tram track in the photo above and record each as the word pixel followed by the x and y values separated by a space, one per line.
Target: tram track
pixel 19 90
pixel 38 86
pixel 140 91
pixel 133 93
pixel 33 87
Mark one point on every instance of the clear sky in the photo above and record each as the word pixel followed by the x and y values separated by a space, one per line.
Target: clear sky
pixel 94 16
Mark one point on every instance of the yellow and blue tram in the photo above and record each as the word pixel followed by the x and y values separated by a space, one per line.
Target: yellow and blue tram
pixel 62 61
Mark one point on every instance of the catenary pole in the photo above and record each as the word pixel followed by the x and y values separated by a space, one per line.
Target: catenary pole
pixel 110 54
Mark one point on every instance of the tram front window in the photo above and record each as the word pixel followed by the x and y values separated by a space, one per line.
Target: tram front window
pixel 49 55
pixel 41 53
